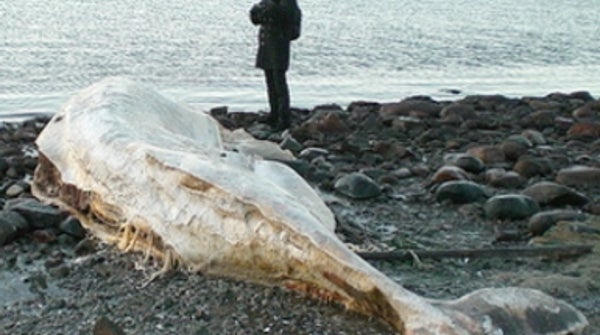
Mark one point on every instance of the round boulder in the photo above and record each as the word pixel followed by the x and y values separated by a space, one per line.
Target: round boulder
pixel 357 186
pixel 311 153
pixel 510 207
pixel 72 227
pixel 542 221
pixel 463 111
pixel 290 143
pixel 488 154
pixel 584 131
pixel 466 162
pixel 553 194
pixel 11 226
pixel 534 136
pixel 36 213
pixel 461 192
pixel 579 176
pixel 514 147
pixel 447 173
pixel 499 177
pixel 528 166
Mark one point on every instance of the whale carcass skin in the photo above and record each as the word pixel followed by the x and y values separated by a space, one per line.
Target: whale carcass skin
pixel 150 175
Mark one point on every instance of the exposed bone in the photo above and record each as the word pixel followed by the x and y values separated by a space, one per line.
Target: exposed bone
pixel 149 175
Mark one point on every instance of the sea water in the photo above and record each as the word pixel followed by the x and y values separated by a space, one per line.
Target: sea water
pixel 201 52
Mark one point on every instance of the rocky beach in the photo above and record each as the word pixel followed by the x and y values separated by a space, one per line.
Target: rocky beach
pixel 483 173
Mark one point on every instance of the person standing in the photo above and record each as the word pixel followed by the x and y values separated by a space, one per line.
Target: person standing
pixel 279 22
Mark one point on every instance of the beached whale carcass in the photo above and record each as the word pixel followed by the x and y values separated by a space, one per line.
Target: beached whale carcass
pixel 150 175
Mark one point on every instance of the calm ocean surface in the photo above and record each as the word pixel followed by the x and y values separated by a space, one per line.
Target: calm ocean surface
pixel 201 52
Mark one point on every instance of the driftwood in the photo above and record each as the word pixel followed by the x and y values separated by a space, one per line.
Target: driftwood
pixel 562 251
pixel 148 175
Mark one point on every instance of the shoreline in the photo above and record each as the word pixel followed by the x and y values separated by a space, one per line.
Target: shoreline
pixel 444 93
pixel 508 146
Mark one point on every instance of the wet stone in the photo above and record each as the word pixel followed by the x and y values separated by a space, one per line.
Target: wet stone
pixel 323 123
pixel 553 194
pixel 389 150
pixel 528 166
pixel 448 173
pixel 12 225
pixel 542 221
pixel 463 111
pixel 409 124
pixel 290 143
pixel 44 235
pixel 434 137
pixel 405 107
pixel 260 131
pixel 104 326
pixel 65 240
pixel 501 178
pixel 540 119
pixel 584 112
pixel 311 153
pixel 488 154
pixel 73 227
pixel 584 131
pixel 452 120
pixel 363 111
pixel 373 173
pixel 7 232
pixel 510 207
pixel 465 161
pixel 534 136
pixel 563 123
pixel 15 190
pixel 402 173
pixel 37 214
pixel 514 148
pixel 357 186
pixel 56 304
pixel 579 176
pixel 544 104
pixel 420 170
pixel 85 247
pixel 60 271
pixel 460 192
pixel 3 165
pixel 300 166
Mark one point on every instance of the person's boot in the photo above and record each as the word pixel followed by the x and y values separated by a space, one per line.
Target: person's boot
pixel 284 121
pixel 273 118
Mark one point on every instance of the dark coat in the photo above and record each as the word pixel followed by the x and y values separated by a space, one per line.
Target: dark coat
pixel 274 18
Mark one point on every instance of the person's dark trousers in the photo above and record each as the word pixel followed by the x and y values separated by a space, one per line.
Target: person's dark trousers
pixel 279 98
